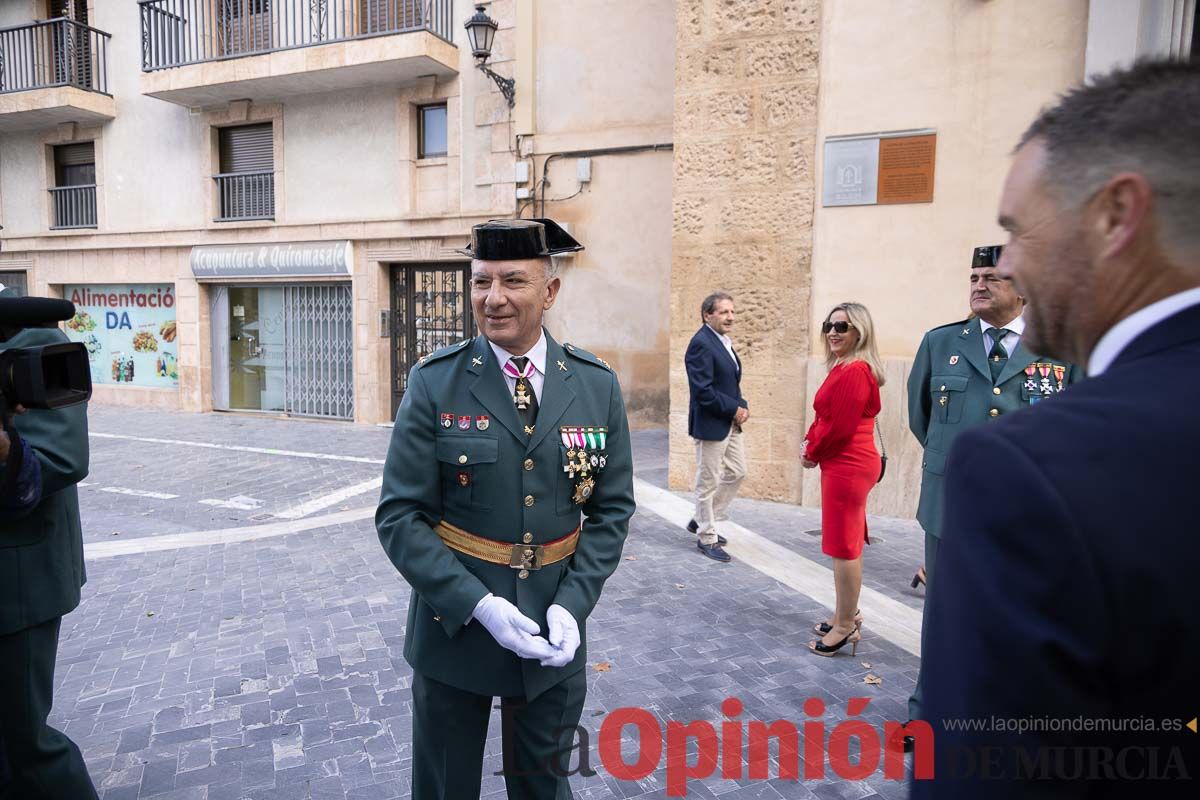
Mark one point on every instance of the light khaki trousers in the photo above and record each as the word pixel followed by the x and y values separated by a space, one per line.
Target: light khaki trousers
pixel 720 470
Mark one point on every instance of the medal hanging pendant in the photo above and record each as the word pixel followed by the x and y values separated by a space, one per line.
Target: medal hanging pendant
pixel 583 491
pixel 521 398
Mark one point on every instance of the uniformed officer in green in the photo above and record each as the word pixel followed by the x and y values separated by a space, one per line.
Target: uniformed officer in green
pixel 41 574
pixel 504 444
pixel 965 374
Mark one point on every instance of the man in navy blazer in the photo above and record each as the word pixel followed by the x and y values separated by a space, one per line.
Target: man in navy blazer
pixel 1063 644
pixel 716 413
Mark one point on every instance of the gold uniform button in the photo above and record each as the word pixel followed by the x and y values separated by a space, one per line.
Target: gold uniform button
pixel 943 388
pixel 529 501
pixel 995 390
pixel 528 464
pixel 527 538
pixel 462 459
pixel 523 574
pixel 994 413
pixel 437 618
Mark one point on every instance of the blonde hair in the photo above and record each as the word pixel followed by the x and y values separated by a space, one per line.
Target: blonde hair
pixel 864 349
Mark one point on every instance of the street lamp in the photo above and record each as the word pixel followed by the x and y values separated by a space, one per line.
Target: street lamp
pixel 481 32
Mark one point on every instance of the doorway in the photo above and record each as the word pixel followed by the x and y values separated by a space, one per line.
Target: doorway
pixel 284 348
pixel 431 308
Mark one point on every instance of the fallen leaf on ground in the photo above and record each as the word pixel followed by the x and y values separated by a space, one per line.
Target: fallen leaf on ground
pixel 680 586
pixel 873 680
pixel 116 533
pixel 149 613
pixel 866 665
pixel 631 558
pixel 603 666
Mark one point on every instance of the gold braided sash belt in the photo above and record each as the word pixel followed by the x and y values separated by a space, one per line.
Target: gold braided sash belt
pixel 517 556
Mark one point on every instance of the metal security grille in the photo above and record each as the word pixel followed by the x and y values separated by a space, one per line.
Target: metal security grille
pixel 319 336
pixel 15 282
pixel 431 308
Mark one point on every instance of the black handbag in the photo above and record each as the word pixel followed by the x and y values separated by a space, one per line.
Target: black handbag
pixel 883 452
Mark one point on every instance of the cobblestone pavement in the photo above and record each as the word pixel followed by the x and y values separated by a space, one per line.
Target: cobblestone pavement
pixel 272 668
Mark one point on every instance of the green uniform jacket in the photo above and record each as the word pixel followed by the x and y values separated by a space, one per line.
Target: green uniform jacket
pixel 41 554
pixel 950 389
pixel 500 484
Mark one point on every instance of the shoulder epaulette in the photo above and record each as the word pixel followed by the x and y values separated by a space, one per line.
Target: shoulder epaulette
pixel 584 355
pixel 949 325
pixel 449 350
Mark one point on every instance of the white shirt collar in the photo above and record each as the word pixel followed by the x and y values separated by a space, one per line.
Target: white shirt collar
pixel 536 354
pixel 1120 335
pixel 1017 326
pixel 725 340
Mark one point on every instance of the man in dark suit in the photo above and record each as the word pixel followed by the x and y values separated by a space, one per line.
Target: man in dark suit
pixel 501 445
pixel 970 373
pixel 1066 596
pixel 41 574
pixel 716 413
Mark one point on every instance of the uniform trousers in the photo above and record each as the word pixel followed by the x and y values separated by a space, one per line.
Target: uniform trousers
pixel 720 470
pixel 450 728
pixel 931 549
pixel 43 763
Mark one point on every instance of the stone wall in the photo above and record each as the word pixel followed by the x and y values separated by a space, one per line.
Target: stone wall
pixel 745 132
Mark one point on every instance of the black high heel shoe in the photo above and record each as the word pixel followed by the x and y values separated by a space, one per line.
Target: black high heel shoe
pixel 919 578
pixel 824 627
pixel 822 649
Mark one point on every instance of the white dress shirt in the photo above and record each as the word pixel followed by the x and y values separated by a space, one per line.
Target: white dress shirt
pixel 1120 335
pixel 1016 329
pixel 536 355
pixel 725 340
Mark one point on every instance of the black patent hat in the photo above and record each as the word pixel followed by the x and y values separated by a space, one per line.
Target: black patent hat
pixel 516 239
pixel 988 256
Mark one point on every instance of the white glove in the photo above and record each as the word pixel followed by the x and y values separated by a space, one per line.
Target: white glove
pixel 511 629
pixel 564 635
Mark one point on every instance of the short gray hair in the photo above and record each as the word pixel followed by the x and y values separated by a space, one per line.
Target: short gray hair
pixel 1144 119
pixel 710 303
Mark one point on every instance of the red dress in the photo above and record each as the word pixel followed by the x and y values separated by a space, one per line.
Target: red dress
pixel 842 441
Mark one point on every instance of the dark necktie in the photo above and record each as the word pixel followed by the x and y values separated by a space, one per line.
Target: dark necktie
pixel 997 356
pixel 523 396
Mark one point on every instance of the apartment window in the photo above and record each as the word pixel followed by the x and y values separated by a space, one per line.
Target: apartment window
pixel 246 182
pixel 431 138
pixel 14 282
pixel 73 197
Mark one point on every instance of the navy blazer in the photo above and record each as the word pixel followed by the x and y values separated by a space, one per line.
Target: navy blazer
pixel 715 386
pixel 1067 583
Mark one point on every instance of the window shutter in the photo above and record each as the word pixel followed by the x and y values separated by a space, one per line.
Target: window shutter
pixel 247 148
pixel 75 155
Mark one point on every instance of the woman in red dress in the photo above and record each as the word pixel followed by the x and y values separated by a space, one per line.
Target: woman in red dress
pixel 841 441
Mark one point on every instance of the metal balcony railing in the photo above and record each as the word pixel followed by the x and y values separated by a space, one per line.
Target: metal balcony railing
pixel 245 196
pixel 54 52
pixel 74 206
pixel 180 32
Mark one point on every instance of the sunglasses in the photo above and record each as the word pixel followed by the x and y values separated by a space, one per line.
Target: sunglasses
pixel 840 327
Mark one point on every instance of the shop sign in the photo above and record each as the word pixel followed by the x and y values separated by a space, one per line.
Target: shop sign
pixel 278 260
pixel 129 332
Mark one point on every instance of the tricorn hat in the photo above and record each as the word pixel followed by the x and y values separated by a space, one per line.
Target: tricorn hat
pixel 987 256
pixel 515 239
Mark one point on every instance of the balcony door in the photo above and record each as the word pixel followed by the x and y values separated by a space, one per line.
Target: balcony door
pixel 70 45
pixel 387 16
pixel 244 26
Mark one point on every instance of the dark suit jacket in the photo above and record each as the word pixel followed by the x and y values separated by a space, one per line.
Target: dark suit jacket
pixel 714 383
pixel 41 554
pixel 496 482
pixel 1067 580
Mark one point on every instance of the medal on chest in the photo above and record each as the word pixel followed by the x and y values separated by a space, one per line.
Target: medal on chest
pixel 585 458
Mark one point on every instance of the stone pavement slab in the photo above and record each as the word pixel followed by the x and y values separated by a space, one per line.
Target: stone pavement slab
pixel 272 668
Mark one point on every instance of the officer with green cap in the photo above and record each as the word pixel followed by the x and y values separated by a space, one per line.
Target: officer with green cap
pixel 41 575
pixel 506 500
pixel 968 373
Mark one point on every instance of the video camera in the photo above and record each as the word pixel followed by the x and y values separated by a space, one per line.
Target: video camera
pixel 48 376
